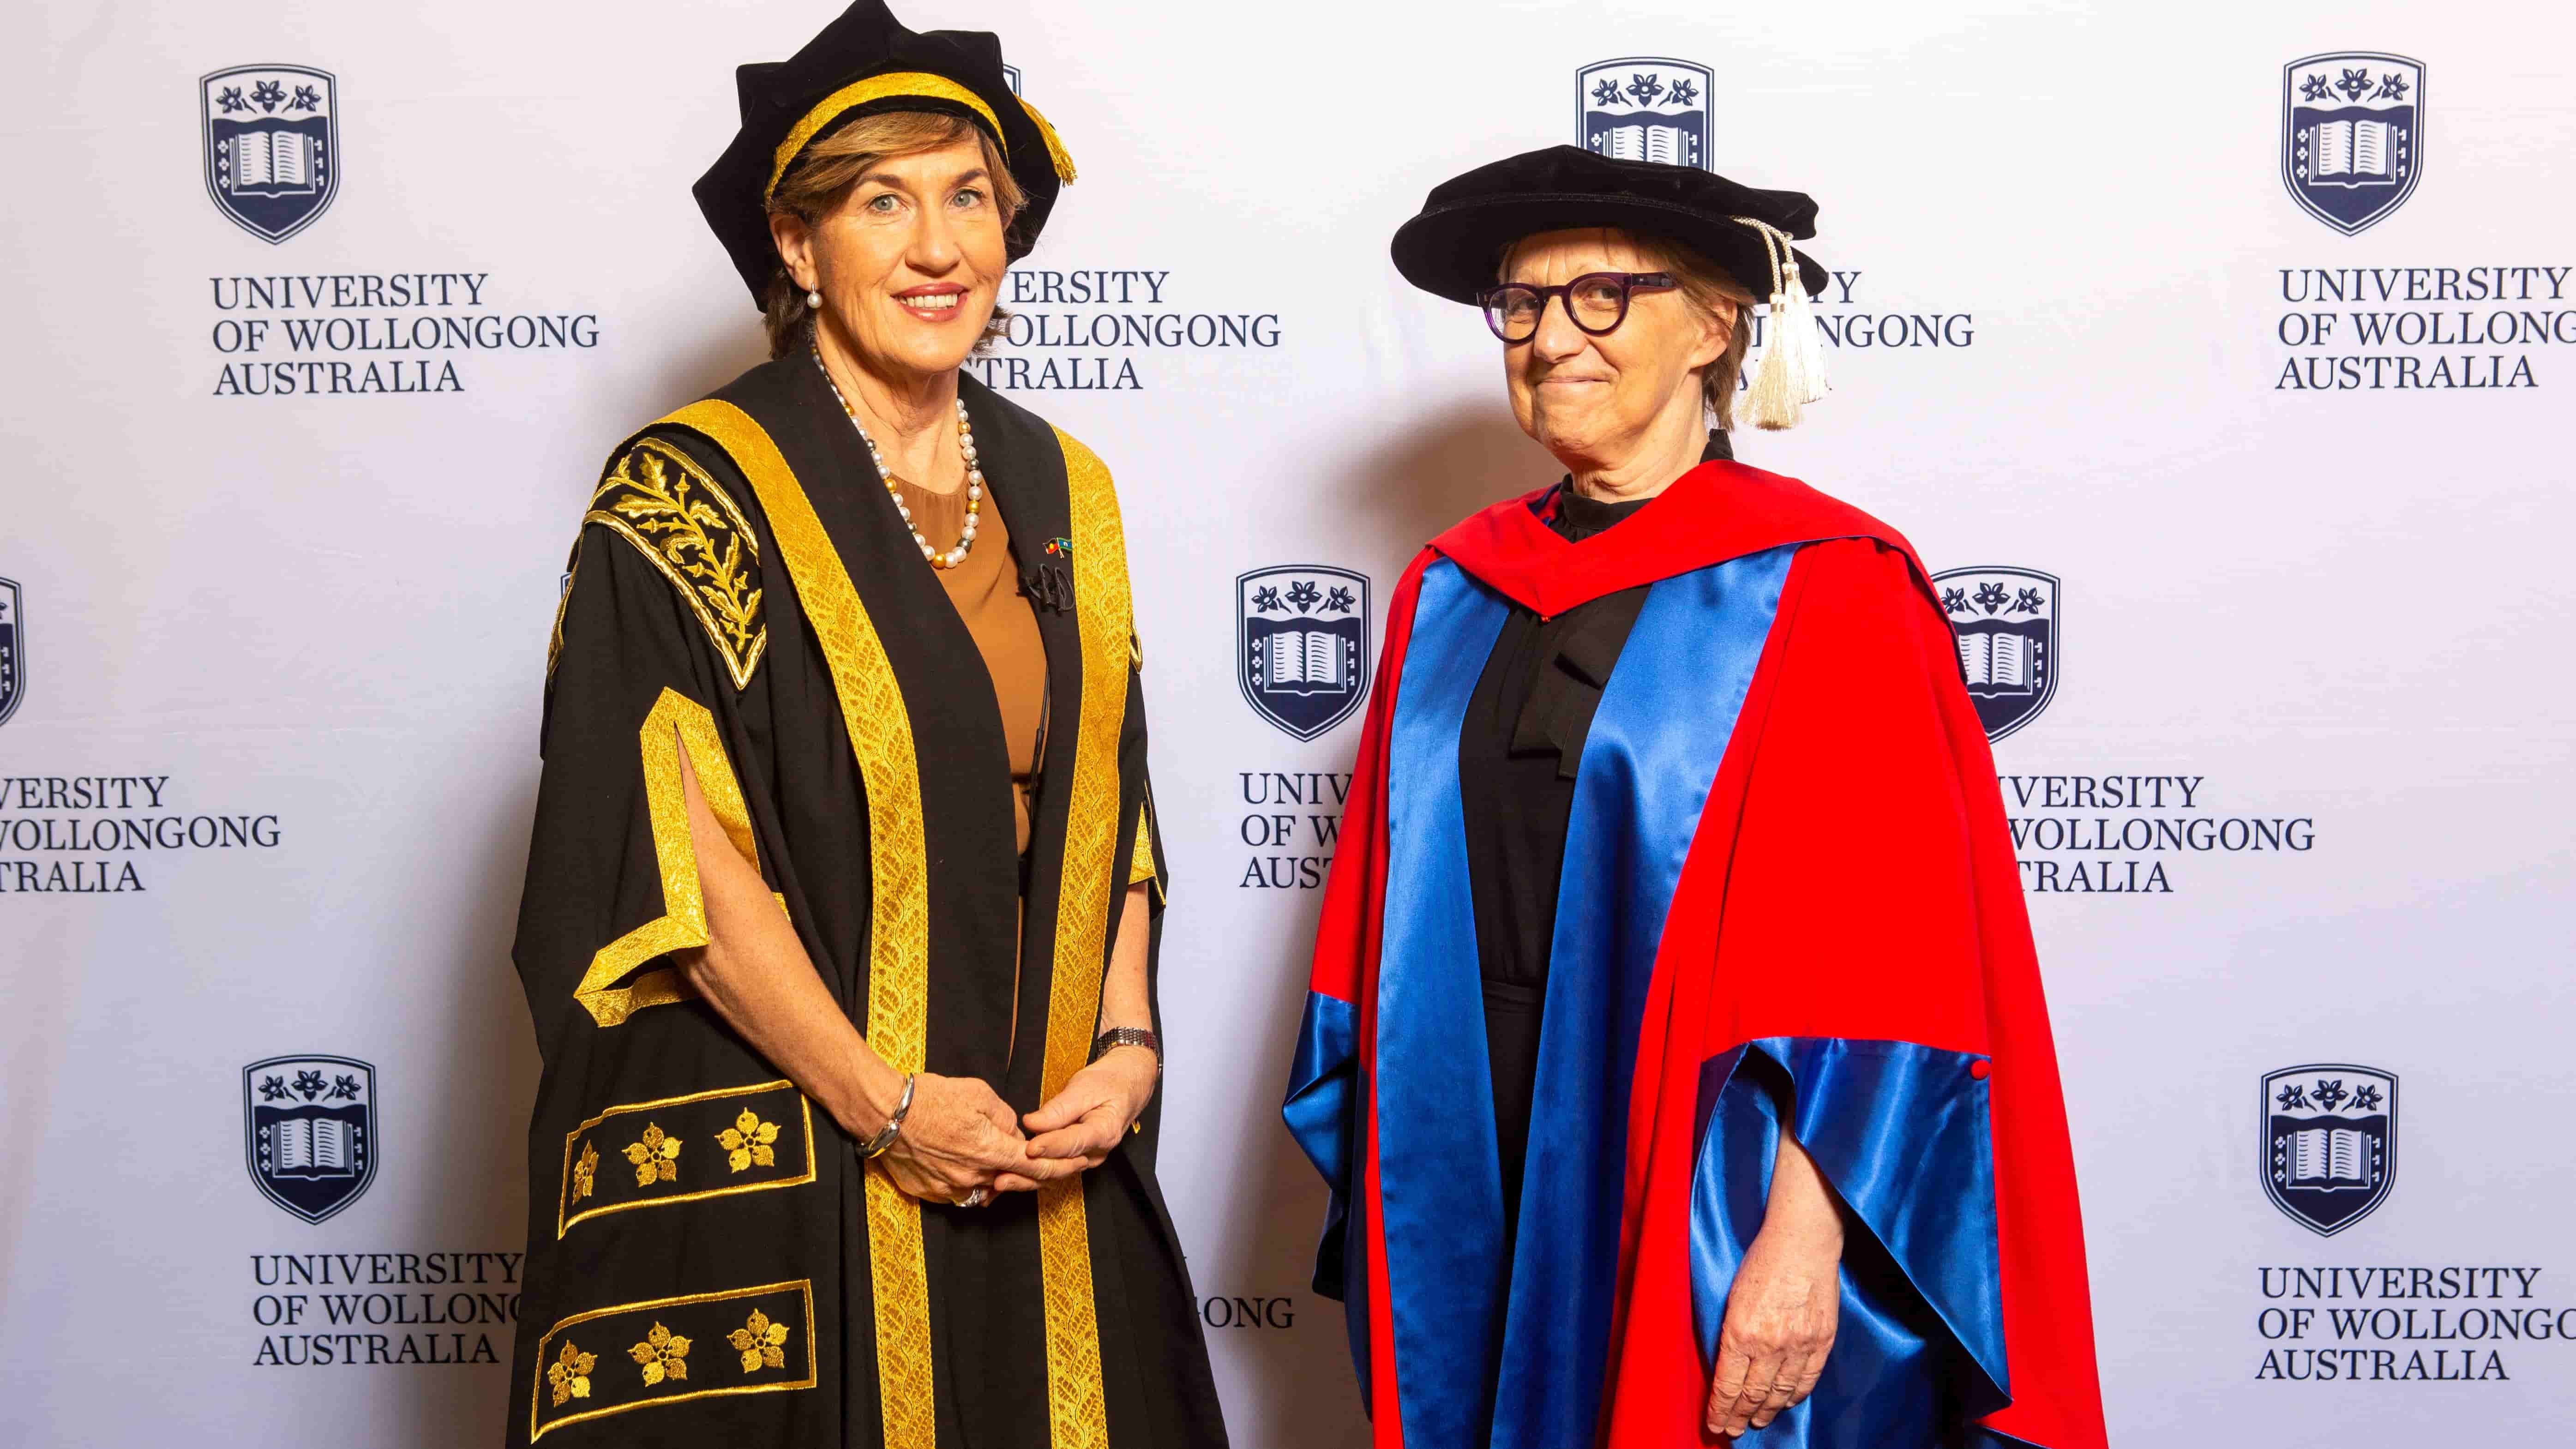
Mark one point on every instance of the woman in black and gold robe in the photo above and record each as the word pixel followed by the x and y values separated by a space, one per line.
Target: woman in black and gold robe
pixel 845 889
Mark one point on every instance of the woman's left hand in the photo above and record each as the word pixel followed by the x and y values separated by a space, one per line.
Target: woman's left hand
pixel 1087 1119
pixel 1780 1318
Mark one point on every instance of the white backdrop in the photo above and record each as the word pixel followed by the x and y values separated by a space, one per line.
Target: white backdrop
pixel 322 617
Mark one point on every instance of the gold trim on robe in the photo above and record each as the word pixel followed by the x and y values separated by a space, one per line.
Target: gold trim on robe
pixel 686 1149
pixel 658 499
pixel 1142 867
pixel 897 1028
pixel 1075 1401
pixel 675 722
pixel 665 1350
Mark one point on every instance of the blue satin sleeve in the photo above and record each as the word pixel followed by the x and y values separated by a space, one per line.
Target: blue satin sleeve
pixel 1900 1133
pixel 1323 1096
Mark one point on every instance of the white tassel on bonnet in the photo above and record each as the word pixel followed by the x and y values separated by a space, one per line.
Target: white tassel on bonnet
pixel 1792 374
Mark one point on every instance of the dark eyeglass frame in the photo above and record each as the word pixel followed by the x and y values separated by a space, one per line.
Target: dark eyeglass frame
pixel 1489 301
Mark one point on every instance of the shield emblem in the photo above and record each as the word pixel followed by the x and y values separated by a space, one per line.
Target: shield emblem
pixel 1644 108
pixel 2005 620
pixel 272 146
pixel 13 650
pixel 2329 1149
pixel 310 1125
pixel 1302 645
pixel 2352 135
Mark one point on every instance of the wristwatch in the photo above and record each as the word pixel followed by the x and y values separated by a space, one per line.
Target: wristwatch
pixel 1119 1036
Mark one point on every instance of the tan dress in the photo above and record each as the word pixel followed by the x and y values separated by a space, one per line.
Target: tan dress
pixel 986 590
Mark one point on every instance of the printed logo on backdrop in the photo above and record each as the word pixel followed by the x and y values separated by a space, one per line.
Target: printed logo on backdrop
pixel 1302 645
pixel 2005 620
pixel 2352 151
pixel 1658 108
pixel 2329 1150
pixel 2352 135
pixel 1011 78
pixel 272 146
pixel 272 165
pixel 1644 108
pixel 13 649
pixel 310 1125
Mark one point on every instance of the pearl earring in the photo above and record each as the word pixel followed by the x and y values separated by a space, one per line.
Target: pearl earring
pixel 813 300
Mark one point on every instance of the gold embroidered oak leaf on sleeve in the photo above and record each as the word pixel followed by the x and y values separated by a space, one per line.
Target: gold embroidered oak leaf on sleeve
pixel 658 499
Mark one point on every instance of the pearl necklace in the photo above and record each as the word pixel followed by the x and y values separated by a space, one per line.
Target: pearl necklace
pixel 974 476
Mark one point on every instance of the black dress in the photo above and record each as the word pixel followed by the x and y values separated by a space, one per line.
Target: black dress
pixel 1517 758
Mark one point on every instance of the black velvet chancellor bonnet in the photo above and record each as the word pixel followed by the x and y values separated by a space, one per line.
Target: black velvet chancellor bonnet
pixel 868 63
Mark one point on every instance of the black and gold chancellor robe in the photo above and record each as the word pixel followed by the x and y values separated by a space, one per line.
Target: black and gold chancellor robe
pixel 708 1258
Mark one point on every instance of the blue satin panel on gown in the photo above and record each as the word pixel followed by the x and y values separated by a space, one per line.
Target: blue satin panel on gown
pixel 1322 1114
pixel 1479 1364
pixel 1900 1131
pixel 1322 1111
pixel 1440 1176
pixel 1664 722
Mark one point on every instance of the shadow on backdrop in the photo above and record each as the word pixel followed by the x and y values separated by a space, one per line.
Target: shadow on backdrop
pixel 1462 455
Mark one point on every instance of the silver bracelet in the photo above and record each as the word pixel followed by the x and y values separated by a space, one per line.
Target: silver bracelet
pixel 878 1145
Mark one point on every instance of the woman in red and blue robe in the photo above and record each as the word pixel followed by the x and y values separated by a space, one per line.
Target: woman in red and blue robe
pixel 1675 1051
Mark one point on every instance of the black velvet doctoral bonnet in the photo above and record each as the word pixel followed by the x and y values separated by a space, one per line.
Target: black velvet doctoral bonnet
pixel 1449 249
pixel 868 63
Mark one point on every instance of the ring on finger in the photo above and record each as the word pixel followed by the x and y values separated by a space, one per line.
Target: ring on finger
pixel 975 1199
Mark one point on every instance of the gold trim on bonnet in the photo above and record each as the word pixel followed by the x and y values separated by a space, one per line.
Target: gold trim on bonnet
pixel 897 1027
pixel 674 723
pixel 699 1128
pixel 1102 612
pixel 877 88
pixel 1062 159
pixel 607 1367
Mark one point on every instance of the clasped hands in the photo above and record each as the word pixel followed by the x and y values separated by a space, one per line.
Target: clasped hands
pixel 961 1135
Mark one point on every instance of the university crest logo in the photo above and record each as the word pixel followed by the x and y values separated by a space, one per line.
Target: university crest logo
pixel 2352 135
pixel 2329 1142
pixel 272 146
pixel 13 649
pixel 310 1125
pixel 1644 108
pixel 1302 645
pixel 2005 620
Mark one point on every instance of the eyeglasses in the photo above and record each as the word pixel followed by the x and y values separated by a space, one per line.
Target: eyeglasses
pixel 1597 302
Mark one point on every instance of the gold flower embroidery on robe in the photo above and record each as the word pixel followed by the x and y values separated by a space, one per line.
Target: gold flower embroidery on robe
pixel 585 1173
pixel 664 1354
pixel 748 1141
pixel 656 1158
pixel 761 1343
pixel 570 1374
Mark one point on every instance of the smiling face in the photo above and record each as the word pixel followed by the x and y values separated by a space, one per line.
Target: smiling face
pixel 910 263
pixel 1592 401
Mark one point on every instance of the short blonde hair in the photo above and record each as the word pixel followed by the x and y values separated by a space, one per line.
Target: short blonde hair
pixel 1705 285
pixel 828 170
